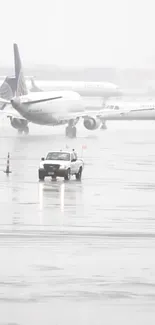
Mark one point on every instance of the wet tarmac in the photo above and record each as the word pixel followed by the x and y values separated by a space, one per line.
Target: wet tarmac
pixel 79 252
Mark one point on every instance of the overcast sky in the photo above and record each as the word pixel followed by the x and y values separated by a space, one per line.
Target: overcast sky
pixel 79 32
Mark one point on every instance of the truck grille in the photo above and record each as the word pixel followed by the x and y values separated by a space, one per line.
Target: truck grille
pixel 51 167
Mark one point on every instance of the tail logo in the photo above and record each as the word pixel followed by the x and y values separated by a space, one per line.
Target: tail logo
pixel 6 91
pixel 21 86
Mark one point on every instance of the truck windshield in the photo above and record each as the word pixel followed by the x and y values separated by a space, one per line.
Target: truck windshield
pixel 58 156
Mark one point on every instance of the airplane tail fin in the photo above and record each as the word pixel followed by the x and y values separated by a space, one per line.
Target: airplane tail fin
pixel 21 88
pixel 7 90
pixel 34 87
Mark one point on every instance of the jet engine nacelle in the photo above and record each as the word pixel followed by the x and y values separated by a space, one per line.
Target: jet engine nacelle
pixel 91 123
pixel 18 123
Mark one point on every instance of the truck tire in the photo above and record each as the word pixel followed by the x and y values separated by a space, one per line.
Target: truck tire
pixel 67 175
pixel 41 176
pixel 79 174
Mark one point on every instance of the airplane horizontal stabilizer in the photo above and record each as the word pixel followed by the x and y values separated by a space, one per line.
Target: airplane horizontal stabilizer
pixel 41 100
pixel 4 101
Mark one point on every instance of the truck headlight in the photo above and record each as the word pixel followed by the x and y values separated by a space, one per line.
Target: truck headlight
pixel 41 165
pixel 63 167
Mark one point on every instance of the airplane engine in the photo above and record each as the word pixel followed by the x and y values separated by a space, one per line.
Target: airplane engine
pixel 18 123
pixel 91 123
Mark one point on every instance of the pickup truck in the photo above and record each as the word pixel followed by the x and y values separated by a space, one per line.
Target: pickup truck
pixel 61 164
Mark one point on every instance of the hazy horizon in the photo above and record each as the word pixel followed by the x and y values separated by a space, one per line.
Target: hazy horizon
pixel 79 34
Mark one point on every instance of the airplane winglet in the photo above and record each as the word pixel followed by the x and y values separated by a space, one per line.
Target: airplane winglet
pixel 4 101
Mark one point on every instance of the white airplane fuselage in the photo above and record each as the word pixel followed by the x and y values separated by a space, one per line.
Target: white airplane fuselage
pixel 85 89
pixel 142 113
pixel 51 112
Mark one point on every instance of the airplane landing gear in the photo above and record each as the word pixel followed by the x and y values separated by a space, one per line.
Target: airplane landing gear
pixel 20 131
pixel 25 130
pixel 71 131
pixel 103 126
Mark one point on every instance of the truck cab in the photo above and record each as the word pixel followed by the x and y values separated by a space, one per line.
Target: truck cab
pixel 61 164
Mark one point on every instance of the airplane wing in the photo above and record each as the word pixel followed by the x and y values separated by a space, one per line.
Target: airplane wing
pixel 4 101
pixel 11 113
pixel 112 114
pixel 85 114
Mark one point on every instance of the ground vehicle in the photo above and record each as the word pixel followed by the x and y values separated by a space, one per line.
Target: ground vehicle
pixel 61 164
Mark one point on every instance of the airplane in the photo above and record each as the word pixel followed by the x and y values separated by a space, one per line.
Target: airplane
pixel 138 112
pixel 127 97
pixel 104 90
pixel 114 106
pixel 85 89
pixel 46 108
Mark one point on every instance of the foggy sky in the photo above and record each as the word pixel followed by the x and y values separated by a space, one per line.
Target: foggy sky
pixel 79 32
